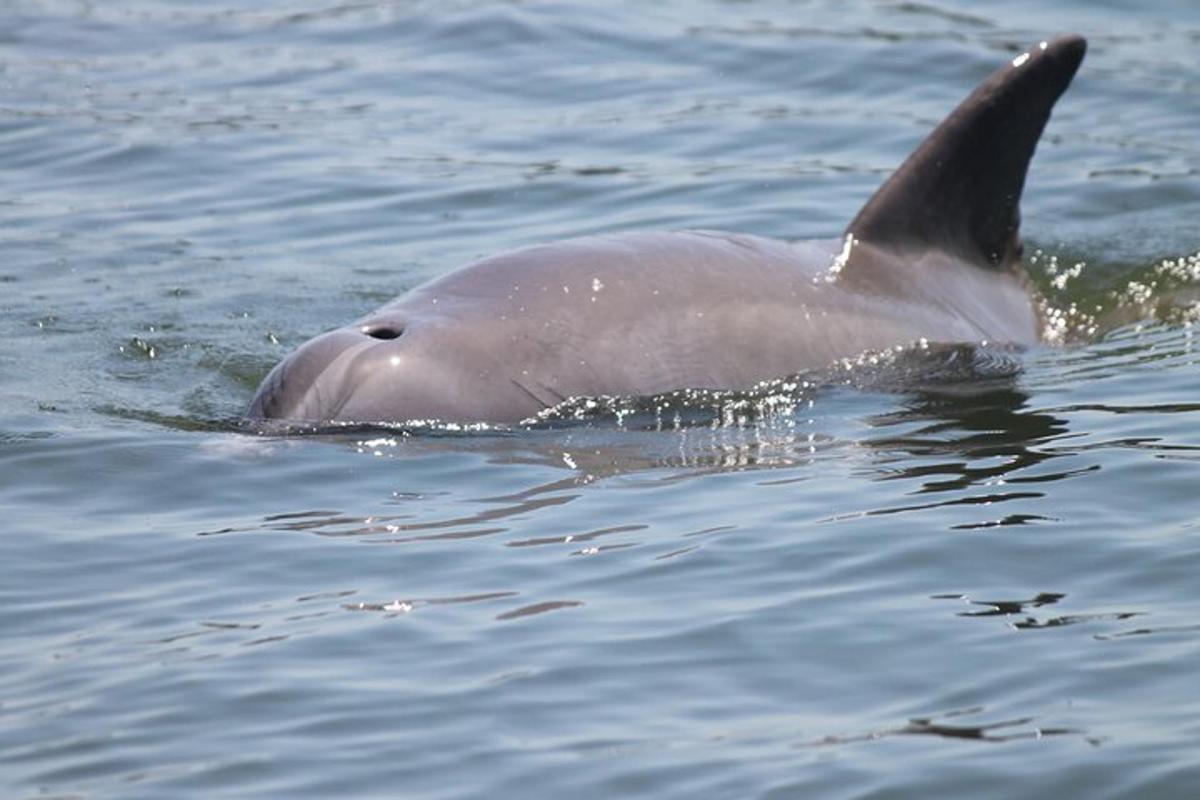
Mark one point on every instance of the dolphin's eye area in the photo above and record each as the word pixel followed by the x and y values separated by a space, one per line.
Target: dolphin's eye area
pixel 382 331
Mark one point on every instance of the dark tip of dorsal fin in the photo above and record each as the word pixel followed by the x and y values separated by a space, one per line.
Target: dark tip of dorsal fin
pixel 960 189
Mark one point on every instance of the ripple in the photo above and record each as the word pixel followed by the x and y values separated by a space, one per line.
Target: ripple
pixel 940 727
pixel 538 608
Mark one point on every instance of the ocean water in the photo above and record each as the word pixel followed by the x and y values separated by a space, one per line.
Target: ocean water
pixel 984 584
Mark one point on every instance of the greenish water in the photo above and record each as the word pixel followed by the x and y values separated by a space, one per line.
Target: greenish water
pixel 978 587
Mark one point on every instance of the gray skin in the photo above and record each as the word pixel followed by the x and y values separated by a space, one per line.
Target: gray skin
pixel 934 255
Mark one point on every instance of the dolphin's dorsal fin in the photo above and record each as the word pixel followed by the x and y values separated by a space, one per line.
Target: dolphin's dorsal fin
pixel 960 190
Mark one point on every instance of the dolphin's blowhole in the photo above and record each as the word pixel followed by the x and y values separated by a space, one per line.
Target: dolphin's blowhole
pixel 384 332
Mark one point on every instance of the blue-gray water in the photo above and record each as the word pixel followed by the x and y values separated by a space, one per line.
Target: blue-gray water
pixel 984 588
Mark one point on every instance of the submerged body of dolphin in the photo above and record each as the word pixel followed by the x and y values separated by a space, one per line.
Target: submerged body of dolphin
pixel 934 255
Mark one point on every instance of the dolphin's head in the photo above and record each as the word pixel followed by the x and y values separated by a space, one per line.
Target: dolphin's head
pixel 372 371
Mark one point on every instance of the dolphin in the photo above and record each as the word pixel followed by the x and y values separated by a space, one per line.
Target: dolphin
pixel 933 256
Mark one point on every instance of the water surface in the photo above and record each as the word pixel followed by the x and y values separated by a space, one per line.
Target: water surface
pixel 982 585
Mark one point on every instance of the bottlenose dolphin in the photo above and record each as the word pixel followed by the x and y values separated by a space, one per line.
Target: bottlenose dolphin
pixel 933 255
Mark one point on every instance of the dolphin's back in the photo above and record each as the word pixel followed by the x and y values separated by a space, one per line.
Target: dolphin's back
pixel 631 313
pixel 640 313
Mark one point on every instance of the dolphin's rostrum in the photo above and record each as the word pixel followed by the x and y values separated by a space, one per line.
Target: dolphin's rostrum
pixel 932 255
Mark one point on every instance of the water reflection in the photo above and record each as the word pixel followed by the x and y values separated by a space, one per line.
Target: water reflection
pixel 979 437
pixel 950 439
pixel 947 726
pixel 1015 613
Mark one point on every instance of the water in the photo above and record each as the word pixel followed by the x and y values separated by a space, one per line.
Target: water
pixel 976 587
